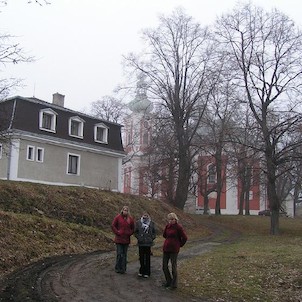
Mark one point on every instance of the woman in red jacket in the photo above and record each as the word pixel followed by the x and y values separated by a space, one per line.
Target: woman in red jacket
pixel 175 239
pixel 123 227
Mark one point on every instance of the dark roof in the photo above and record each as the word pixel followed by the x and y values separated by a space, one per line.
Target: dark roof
pixel 25 117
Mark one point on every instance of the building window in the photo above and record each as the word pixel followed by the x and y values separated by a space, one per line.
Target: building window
pixel 48 120
pixel 76 127
pixel 1 150
pixel 40 155
pixel 30 153
pixel 73 164
pixel 101 133
pixel 211 174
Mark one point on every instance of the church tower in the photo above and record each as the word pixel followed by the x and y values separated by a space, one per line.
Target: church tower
pixel 137 136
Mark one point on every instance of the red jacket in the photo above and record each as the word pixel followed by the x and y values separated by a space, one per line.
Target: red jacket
pixel 175 238
pixel 123 228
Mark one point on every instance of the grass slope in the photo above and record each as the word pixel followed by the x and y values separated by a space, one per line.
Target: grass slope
pixel 37 221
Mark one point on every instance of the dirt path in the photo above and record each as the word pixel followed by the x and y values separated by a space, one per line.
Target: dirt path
pixel 91 277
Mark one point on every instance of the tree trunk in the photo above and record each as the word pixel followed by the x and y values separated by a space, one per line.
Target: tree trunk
pixel 247 202
pixel 183 182
pixel 247 187
pixel 241 201
pixel 275 222
pixel 217 205
pixel 206 204
pixel 218 158
pixel 170 185
pixel 273 199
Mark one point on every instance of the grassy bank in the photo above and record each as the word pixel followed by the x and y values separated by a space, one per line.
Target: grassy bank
pixel 38 221
pixel 257 267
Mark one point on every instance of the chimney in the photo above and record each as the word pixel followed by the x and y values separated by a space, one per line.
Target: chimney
pixel 58 99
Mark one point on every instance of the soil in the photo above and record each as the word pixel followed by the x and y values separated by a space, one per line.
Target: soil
pixel 91 277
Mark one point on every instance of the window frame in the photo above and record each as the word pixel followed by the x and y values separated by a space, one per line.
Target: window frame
pixel 80 121
pixel 38 149
pixel 53 114
pixel 105 130
pixel 32 153
pixel 69 168
pixel 212 174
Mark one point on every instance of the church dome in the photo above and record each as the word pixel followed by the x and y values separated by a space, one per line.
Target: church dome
pixel 141 103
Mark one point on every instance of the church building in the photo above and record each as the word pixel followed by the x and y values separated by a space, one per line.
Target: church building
pixel 137 136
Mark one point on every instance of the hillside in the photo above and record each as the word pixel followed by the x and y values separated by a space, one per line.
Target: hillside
pixel 38 221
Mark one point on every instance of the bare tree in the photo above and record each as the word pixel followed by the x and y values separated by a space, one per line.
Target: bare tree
pixel 266 47
pixel 163 147
pixel 175 65
pixel 109 108
pixel 40 2
pixel 10 53
pixel 244 157
pixel 218 119
pixel 205 168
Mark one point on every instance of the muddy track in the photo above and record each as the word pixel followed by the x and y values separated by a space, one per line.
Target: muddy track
pixel 91 277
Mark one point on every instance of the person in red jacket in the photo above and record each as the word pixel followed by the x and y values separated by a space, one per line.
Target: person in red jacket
pixel 123 227
pixel 175 238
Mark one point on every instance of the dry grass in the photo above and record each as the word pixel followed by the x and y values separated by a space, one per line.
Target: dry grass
pixel 25 238
pixel 38 221
pixel 258 267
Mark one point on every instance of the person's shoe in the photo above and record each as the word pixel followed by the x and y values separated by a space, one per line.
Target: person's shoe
pixel 139 274
pixel 172 287
pixel 146 276
pixel 166 284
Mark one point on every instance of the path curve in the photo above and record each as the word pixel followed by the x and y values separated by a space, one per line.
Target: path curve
pixel 91 277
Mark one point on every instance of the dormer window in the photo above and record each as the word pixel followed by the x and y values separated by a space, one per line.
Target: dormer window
pixel 76 127
pixel 48 120
pixel 101 133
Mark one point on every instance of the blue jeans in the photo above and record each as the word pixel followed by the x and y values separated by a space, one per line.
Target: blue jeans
pixel 121 258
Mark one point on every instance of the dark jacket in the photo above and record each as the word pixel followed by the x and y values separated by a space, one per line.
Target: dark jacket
pixel 123 228
pixel 175 238
pixel 146 236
